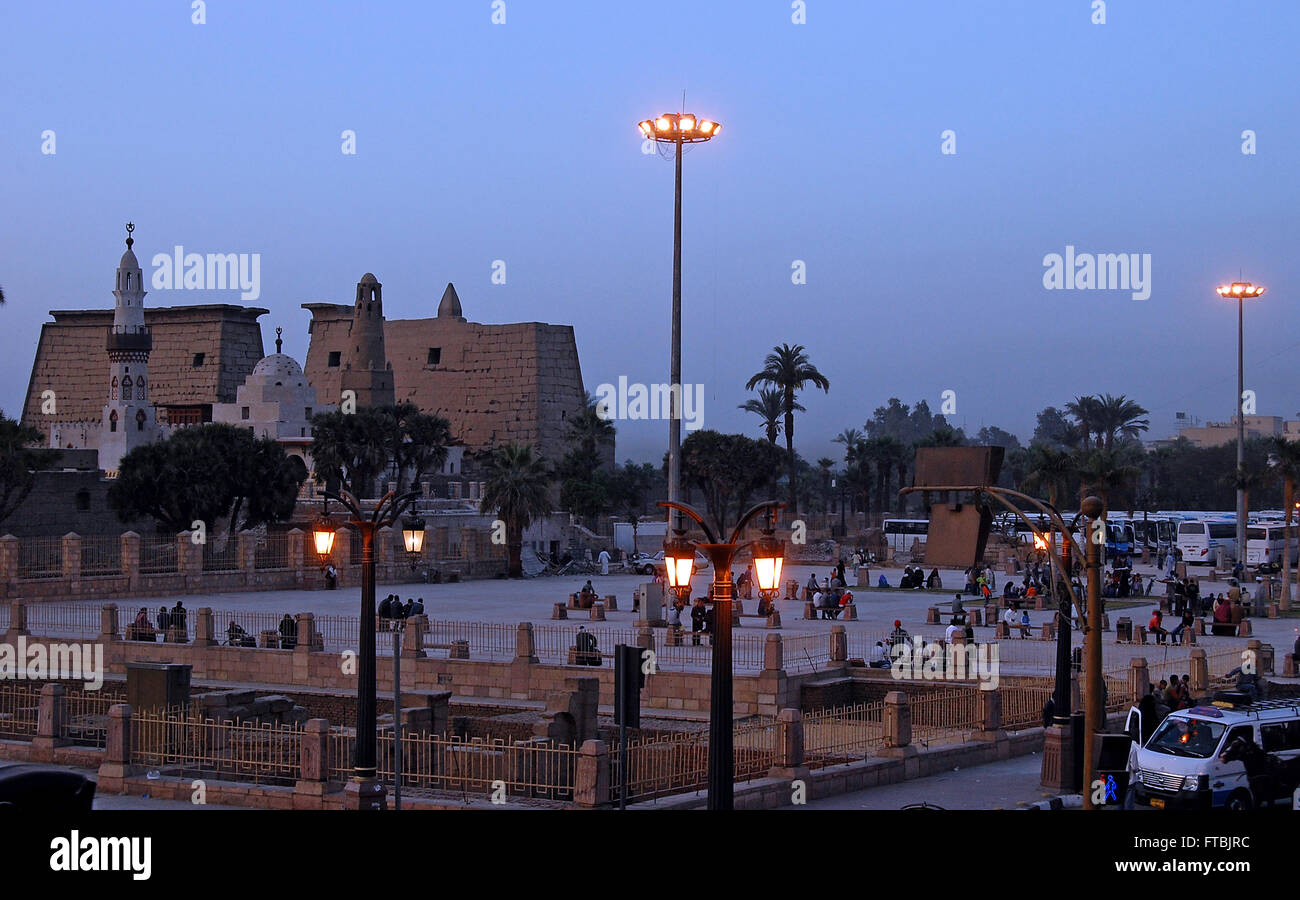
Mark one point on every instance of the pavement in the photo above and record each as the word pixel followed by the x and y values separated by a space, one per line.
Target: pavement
pixel 1008 784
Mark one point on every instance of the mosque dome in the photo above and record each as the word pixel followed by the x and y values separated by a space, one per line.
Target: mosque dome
pixel 278 365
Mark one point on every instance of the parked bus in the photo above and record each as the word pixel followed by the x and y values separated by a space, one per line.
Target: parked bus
pixel 1264 544
pixel 1200 540
pixel 900 534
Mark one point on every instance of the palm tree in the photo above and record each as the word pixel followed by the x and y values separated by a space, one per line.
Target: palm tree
pixel 1085 411
pixel 1103 472
pixel 769 406
pixel 826 464
pixel 516 491
pixel 852 440
pixel 1050 469
pixel 1114 417
pixel 886 451
pixel 1284 460
pixel 789 370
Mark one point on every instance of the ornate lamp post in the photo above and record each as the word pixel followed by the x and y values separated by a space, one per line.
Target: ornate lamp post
pixel 675 130
pixel 679 557
pixel 1240 291
pixel 365 783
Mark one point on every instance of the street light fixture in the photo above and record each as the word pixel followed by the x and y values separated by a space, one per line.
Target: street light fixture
pixel 768 553
pixel 677 130
pixel 365 781
pixel 413 540
pixel 1240 291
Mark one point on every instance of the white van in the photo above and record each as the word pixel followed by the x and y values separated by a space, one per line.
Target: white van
pixel 1179 766
pixel 1199 541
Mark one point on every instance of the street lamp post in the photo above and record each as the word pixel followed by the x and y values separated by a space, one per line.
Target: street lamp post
pixel 679 558
pixel 365 782
pixel 1240 291
pixel 677 130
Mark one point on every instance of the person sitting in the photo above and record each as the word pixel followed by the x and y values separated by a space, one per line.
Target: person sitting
pixel 1008 591
pixel 958 610
pixel 1025 624
pixel 880 656
pixel 1248 684
pixel 882 581
pixel 951 631
pixel 1031 591
pixel 331 577
pixel 1011 618
pixel 765 605
pixel 385 612
pixel 417 608
pixel 236 636
pixel 846 598
pixel 142 630
pixel 585 643
pixel 1184 623
pixel 1156 628
pixel 1222 619
pixel 934 582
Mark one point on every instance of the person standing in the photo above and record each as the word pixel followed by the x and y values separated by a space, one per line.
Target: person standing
pixel 603 559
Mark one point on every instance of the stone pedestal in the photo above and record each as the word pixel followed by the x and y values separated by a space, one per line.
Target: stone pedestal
pixel 809 611
pixel 560 611
pixel 364 794
pixel 611 602
pixel 597 612
pixel 850 613
pixel 1057 773
pixel 774 619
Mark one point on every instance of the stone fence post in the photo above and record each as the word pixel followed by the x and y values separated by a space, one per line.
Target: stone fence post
pixel 204 628
pixel 8 559
pixel 1139 679
pixel 990 716
pixel 109 624
pixel 246 551
pixel 773 653
pixel 131 559
pixel 1198 670
pixel 307 637
pixel 789 759
pixel 839 649
pixel 645 637
pixel 413 636
pixel 592 787
pixel 313 764
pixel 525 643
pixel 189 555
pixel 50 716
pixel 72 559
pixel 297 554
pixel 897 721
pixel 17 619
pixel 117 750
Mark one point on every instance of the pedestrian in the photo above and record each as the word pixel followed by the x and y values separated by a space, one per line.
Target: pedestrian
pixel 603 559
pixel 417 609
pixel 699 620
pixel 385 612
pixel 331 577
pixel 288 633
pixel 1155 626
pixel 588 653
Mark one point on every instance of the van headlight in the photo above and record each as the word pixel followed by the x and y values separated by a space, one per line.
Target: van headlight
pixel 1137 777
pixel 1190 782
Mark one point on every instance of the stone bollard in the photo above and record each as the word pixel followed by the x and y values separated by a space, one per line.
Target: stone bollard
pixel 1139 634
pixel 1004 630
pixel 313 761
pixel 597 613
pixel 773 653
pixel 573 601
pixel 108 623
pixel 1139 678
pixel 1274 611
pixel 976 616
pixel 1199 670
pixel 774 619
pixel 1198 626
pixel 560 611
pixel 788 761
pixel 897 721
pixel 1266 658
pixel 1105 621
pixel 592 781
pixel 1288 666
pixel 990 613
pixel 809 611
pixel 459 650
pixel 611 602
pixel 204 628
pixel 1039 602
pixel 1244 629
pixel 850 613
pixel 932 616
pixel 839 648
pixel 1047 631
pixel 792 590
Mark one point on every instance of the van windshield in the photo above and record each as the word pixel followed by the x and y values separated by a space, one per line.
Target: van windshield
pixel 1187 737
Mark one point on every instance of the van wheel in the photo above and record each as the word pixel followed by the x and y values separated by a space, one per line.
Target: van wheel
pixel 1239 801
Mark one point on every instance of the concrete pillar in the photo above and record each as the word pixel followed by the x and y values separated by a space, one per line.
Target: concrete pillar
pixel 297 548
pixel 788 762
pixel 592 787
pixel 307 639
pixel 8 559
pixel 611 602
pixel 246 551
pixel 50 717
pixel 773 653
pixel 109 629
pixel 990 710
pixel 774 618
pixel 313 757
pixel 839 649
pixel 117 750
pixel 897 720
pixel 439 703
pixel 17 619
pixel 1139 678
pixel 597 612
pixel 525 643
pixel 1198 670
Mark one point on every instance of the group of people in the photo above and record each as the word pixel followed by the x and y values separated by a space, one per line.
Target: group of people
pixel 167 619
pixel 236 636
pixel 1122 581
pixel 391 608
pixel 915 579
pixel 701 617
pixel 829 598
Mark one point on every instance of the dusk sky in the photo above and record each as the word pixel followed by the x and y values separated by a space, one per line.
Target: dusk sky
pixel 517 142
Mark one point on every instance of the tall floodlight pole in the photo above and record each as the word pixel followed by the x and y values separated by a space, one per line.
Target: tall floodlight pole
pixel 675 130
pixel 1240 291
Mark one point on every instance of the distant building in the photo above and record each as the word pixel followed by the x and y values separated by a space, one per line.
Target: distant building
pixel 1216 434
pixel 494 383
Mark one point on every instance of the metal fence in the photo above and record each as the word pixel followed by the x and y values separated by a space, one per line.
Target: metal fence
pixel 944 717
pixel 221 559
pixel 85 717
pixel 661 765
pixel 40 557
pixel 158 554
pixel 101 554
pixel 180 745
pixel 842 734
pixel 272 551
pixel 19 707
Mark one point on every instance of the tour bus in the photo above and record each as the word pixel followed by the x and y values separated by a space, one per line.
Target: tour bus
pixel 901 533
pixel 1199 540
pixel 1179 767
pixel 1264 542
pixel 1119 537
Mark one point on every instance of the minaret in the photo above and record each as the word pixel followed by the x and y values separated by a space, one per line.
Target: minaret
pixel 128 414
pixel 365 364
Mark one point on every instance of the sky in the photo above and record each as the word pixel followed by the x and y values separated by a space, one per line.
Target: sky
pixel 478 142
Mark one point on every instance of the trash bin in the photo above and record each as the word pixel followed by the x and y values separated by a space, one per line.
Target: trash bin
pixel 1124 630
